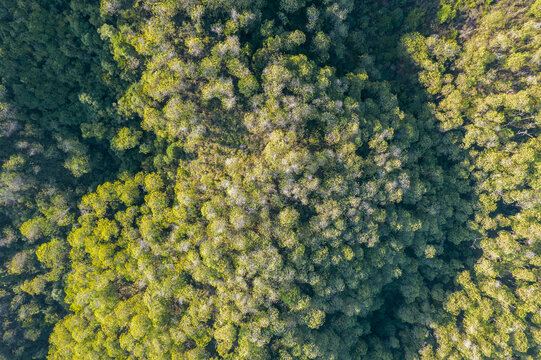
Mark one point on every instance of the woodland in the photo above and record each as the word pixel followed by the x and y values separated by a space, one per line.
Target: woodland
pixel 270 179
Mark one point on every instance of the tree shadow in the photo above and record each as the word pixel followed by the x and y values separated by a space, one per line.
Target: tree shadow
pixel 445 245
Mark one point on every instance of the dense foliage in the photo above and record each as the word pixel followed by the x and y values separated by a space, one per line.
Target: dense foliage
pixel 486 87
pixel 249 179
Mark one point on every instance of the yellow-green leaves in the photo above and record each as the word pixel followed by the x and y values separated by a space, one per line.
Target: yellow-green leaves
pixel 126 138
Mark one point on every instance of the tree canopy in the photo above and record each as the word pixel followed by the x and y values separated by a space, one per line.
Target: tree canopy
pixel 248 179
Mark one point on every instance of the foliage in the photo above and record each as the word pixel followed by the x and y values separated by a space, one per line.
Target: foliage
pixel 489 91
pixel 248 179
pixel 58 85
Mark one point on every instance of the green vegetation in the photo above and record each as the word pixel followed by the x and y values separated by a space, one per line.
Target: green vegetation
pixel 249 179
pixel 487 88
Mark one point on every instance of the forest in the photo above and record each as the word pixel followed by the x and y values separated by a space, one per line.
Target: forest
pixel 270 179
